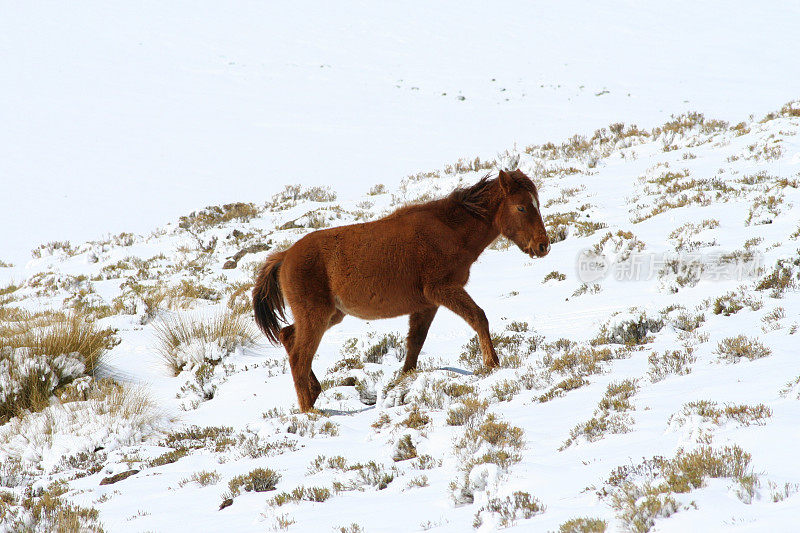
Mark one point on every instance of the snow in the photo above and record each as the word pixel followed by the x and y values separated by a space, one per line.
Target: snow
pixel 126 117
pixel 253 381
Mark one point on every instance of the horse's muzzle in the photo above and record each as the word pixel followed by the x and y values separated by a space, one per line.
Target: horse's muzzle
pixel 544 249
pixel 539 250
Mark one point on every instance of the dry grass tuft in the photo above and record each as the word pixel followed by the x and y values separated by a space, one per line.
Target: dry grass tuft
pixel 492 441
pixel 46 510
pixel 629 332
pixel 583 525
pixel 561 225
pixel 610 416
pixel 562 387
pixel 203 478
pixel 556 275
pixel 416 419
pixel 86 407
pixel 405 449
pixel 492 432
pixel 514 346
pixel 291 195
pixel 733 349
pixel 185 343
pixel 41 355
pixel 745 415
pixel 467 409
pixel 215 215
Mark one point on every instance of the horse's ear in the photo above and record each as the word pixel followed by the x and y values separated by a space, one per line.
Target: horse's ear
pixel 506 182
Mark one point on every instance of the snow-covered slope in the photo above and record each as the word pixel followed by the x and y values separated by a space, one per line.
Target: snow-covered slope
pixel 625 397
pixel 133 114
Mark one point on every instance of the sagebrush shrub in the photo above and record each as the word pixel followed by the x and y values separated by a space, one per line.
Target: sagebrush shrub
pixel 583 525
pixel 257 480
pixel 640 502
pixel 733 349
pixel 520 505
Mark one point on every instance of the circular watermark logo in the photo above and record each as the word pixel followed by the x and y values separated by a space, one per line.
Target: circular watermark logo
pixel 592 266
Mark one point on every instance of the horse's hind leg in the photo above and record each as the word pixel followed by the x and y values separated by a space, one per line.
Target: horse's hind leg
pixel 418 325
pixel 306 340
pixel 307 335
pixel 314 387
pixel 287 338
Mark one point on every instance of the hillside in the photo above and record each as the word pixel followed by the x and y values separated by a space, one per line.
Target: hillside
pixel 649 379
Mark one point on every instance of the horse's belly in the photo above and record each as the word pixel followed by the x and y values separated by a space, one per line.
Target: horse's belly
pixel 375 306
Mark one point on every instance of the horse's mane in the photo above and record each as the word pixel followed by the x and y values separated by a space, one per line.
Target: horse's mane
pixel 476 198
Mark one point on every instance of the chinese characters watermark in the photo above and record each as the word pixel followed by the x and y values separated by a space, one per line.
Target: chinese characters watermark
pixel 714 266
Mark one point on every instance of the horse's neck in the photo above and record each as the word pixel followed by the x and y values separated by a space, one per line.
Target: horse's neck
pixel 479 234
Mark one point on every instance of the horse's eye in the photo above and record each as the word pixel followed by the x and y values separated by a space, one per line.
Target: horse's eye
pixel 521 208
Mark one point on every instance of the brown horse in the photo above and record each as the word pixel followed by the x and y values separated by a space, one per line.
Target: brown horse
pixel 407 263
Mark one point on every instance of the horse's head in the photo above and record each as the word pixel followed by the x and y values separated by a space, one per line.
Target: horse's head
pixel 518 218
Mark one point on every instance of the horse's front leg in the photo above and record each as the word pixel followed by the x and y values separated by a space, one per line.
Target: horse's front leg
pixel 456 299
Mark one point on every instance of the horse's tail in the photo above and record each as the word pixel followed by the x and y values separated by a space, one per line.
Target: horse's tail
pixel 268 303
